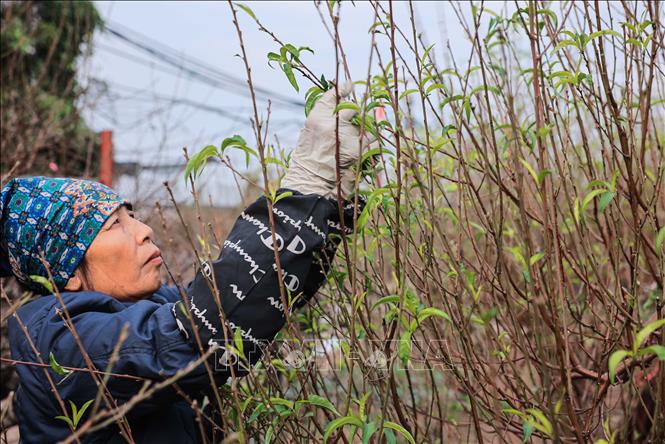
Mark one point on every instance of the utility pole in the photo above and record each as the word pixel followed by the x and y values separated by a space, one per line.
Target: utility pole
pixel 106 158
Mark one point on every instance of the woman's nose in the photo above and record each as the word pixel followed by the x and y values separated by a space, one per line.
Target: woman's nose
pixel 144 232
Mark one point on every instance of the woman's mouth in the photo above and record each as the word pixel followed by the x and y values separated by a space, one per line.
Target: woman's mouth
pixel 156 260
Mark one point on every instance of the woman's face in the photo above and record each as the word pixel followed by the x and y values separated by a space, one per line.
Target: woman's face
pixel 122 261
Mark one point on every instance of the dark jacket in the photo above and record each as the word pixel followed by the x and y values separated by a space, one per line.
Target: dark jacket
pixel 162 335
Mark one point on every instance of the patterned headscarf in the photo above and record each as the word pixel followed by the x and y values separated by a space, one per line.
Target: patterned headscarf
pixel 57 216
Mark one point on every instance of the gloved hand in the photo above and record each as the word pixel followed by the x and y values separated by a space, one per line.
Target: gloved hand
pixel 312 166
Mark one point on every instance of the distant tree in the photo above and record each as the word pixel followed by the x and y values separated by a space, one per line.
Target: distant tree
pixel 41 46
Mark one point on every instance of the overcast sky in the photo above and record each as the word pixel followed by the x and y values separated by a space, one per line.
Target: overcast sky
pixel 150 129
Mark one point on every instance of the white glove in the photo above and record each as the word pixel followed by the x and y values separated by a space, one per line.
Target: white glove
pixel 312 166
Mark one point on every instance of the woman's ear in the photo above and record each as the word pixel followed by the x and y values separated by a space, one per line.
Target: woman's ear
pixel 74 283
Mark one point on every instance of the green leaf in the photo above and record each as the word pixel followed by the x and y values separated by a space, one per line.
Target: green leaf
pixel 613 362
pixel 605 200
pixel 235 140
pixel 257 412
pixel 643 334
pixel 324 82
pixel 371 105
pixel 43 282
pixel 346 105
pixel 57 367
pixel 431 311
pixel 67 420
pixel 322 402
pixel 372 202
pixel 282 196
pixel 283 402
pixel 404 348
pixel 643 26
pixel 659 240
pixel 407 92
pixel 467 108
pixel 312 96
pixel 434 86
pixel 273 57
pixel 576 210
pixel 544 424
pixel 382 94
pixel 390 436
pixel 450 99
pixel 398 428
pixel 374 152
pixel 515 412
pixel 542 174
pixel 286 67
pixel 384 300
pixel 613 185
pixel 273 160
pixel 243 406
pixel 564 43
pixel 197 162
pixel 74 411
pixel 268 437
pixel 248 153
pixel 527 431
pixel 536 257
pixel 534 419
pixel 305 48
pixel 482 88
pixel 658 350
pixel 597 34
pixel 361 405
pixel 340 422
pixel 590 196
pixel 246 9
pixel 237 342
pixel 440 143
pixel 598 183
pixel 634 42
pixel 426 53
pixel 368 431
pixel 477 320
pixel 517 254
pixel 293 51
pixel 551 15
pixel 182 308
pixel 531 171
pixel 630 26
pixel 239 143
pixel 78 415
pixel 527 276
pixel 385 124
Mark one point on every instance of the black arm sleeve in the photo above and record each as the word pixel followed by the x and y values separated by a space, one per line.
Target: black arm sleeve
pixel 308 231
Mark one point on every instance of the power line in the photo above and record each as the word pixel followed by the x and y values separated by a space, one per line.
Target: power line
pixel 176 55
pixel 204 73
pixel 153 64
pixel 233 115
pixel 170 61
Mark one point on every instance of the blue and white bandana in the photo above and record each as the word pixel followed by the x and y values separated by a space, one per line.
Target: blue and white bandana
pixel 57 216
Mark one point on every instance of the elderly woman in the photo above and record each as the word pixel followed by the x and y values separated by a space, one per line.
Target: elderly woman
pixel 82 237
